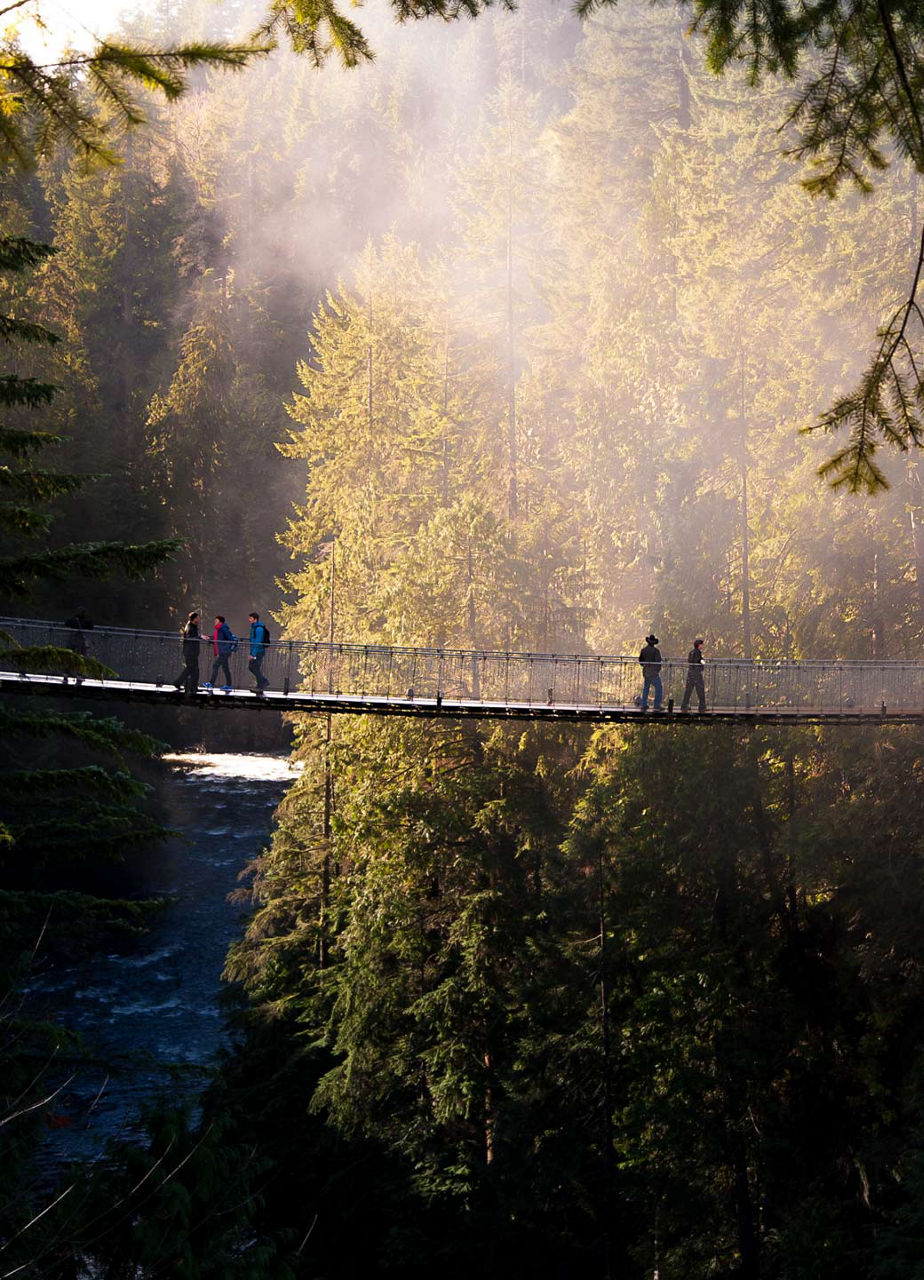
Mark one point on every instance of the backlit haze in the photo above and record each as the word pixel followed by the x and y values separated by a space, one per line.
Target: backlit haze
pixel 72 25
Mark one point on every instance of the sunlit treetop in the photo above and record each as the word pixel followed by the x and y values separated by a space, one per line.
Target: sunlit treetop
pixel 856 67
pixel 857 70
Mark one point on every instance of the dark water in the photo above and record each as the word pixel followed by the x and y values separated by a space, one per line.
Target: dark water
pixel 150 1016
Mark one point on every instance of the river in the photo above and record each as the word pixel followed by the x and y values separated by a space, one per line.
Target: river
pixel 150 1014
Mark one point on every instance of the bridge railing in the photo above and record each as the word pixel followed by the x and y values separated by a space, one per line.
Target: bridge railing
pixel 401 674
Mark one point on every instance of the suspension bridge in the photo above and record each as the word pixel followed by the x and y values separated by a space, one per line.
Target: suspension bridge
pixel 143 666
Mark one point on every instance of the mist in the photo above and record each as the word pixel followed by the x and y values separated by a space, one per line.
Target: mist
pixel 602 243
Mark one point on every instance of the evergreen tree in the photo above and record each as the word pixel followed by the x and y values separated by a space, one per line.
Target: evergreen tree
pixel 65 811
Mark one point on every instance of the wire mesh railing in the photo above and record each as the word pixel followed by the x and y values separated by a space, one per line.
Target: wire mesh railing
pixel 395 674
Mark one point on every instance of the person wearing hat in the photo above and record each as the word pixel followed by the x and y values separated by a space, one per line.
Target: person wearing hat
pixel 695 676
pixel 650 658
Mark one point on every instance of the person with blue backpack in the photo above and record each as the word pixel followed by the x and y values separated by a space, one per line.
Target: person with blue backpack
pixel 224 643
pixel 259 640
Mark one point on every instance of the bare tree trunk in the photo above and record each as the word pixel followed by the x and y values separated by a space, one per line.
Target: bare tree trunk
pixel 445 419
pixel 472 632
pixel 488 1113
pixel 684 63
pixel 608 1162
pixel 745 531
pixel 878 627
pixel 512 493
pixel 915 505
pixel 328 785
pixel 745 556
pixel 748 1239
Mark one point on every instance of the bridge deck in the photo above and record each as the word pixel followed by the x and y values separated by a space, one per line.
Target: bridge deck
pixel 430 708
pixel 395 680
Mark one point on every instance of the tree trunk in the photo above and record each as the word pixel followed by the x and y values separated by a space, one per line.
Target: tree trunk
pixel 608 1162
pixel 915 505
pixel 512 493
pixel 748 1240
pixel 745 557
pixel 328 784
pixel 878 628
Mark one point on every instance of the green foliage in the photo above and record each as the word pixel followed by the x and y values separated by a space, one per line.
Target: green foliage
pixel 105 734
pixel 884 409
pixel 84 101
pixel 317 28
pixel 63 813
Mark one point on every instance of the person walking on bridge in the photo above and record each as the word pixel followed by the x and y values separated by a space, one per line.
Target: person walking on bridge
pixel 188 678
pixel 259 639
pixel 695 676
pixel 224 642
pixel 79 624
pixel 650 658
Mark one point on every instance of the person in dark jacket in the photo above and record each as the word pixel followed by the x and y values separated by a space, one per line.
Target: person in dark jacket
pixel 77 641
pixel 224 642
pixel 695 676
pixel 650 658
pixel 188 678
pixel 259 639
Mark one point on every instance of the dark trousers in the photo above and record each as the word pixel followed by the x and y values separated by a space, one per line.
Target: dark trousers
pixel 694 682
pixel 255 667
pixel 221 662
pixel 188 678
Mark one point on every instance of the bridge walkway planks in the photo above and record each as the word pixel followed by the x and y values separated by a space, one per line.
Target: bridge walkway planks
pixel 152 693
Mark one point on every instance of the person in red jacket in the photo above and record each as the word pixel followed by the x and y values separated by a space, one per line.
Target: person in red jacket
pixel 224 642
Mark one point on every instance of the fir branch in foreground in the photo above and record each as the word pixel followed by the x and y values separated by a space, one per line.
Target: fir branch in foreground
pixel 92 560
pixel 887 406
pixel 86 100
pixel 108 735
pixel 50 659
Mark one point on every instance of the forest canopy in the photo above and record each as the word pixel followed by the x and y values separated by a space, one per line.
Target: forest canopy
pixel 856 71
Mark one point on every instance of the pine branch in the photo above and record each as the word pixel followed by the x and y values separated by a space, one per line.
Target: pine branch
pixel 22 786
pixel 92 560
pixel 25 521
pixel 885 408
pixel 17 253
pixel 316 29
pixel 21 444
pixel 110 736
pixel 51 659
pixel 12 330
pixel 82 914
pixel 108 831
pixel 26 392
pixel 41 486
pixel 68 101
